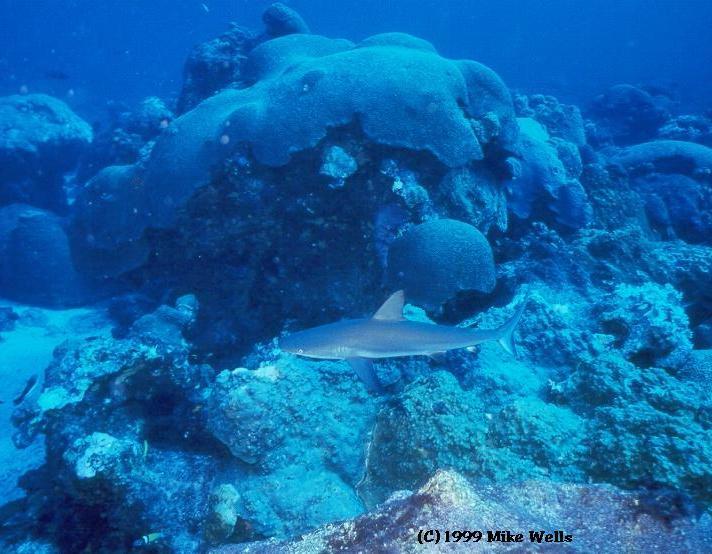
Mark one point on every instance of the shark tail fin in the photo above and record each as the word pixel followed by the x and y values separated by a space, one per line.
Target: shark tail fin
pixel 505 333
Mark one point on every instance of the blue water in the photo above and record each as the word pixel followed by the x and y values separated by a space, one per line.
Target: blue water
pixel 513 201
pixel 128 50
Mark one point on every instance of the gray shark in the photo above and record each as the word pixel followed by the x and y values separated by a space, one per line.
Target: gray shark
pixel 389 335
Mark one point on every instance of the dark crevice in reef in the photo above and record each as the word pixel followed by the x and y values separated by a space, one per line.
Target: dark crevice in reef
pixel 73 526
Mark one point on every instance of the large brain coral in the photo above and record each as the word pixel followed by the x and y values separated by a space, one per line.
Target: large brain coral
pixel 296 89
pixel 400 91
pixel 282 20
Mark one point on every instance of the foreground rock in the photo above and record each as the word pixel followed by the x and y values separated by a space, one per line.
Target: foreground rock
pixel 597 517
pixel 155 444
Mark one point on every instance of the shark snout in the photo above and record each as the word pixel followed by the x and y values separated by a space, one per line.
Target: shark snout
pixel 317 343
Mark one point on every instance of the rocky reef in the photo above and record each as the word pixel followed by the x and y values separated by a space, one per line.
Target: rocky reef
pixel 593 514
pixel 299 180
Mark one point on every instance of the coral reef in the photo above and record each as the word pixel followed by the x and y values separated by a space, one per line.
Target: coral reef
pixel 107 411
pixel 466 102
pixel 475 195
pixel 302 180
pixel 649 324
pixel 688 128
pixel 213 65
pixel 126 137
pixel 562 121
pixel 676 206
pixel 646 426
pixel 545 179
pixel 223 192
pixel 219 63
pixel 626 114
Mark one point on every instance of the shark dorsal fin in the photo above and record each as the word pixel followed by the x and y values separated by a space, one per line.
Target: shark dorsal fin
pixel 392 309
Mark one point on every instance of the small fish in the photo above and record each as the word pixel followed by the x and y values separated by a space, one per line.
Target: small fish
pixel 389 335
pixel 148 539
pixel 29 386
pixel 207 10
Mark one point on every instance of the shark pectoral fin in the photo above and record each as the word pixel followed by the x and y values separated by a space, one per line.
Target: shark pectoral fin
pixel 364 369
pixel 505 332
pixel 392 309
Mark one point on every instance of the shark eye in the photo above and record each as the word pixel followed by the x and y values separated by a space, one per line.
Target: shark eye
pixel 300 351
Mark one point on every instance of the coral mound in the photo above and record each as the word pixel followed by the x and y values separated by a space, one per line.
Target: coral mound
pixel 435 260
pixel 40 139
pixel 35 260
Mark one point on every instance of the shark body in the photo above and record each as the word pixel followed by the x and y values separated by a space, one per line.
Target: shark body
pixel 389 335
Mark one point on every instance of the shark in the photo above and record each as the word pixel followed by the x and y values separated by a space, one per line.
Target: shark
pixel 387 334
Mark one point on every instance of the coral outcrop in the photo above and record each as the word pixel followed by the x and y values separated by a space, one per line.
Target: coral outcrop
pixel 41 138
pixel 36 265
pixel 545 179
pixel 334 86
pixel 626 114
